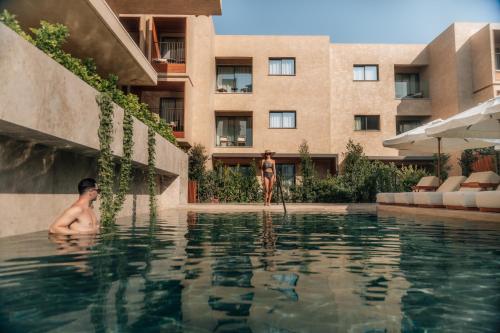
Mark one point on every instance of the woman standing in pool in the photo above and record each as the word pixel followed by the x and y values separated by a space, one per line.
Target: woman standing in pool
pixel 268 174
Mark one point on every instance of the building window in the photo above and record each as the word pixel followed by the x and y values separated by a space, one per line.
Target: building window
pixel 408 85
pixel 365 72
pixel 281 66
pixel 172 111
pixel 233 131
pixel 286 172
pixel 366 123
pixel 405 125
pixel 282 119
pixel 235 79
pixel 497 58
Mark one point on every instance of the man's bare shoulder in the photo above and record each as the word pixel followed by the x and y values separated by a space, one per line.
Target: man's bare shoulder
pixel 74 210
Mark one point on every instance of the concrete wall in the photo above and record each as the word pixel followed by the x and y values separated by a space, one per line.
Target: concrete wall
pixel 43 102
pixel 307 92
pixel 350 98
pixel 199 87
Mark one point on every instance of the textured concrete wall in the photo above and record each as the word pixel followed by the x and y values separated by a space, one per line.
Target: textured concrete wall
pixel 200 62
pixel 43 102
pixel 307 92
pixel 350 98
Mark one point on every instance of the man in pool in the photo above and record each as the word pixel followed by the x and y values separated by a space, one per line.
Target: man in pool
pixel 80 218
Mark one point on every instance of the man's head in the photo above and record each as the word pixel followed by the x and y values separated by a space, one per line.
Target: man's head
pixel 88 187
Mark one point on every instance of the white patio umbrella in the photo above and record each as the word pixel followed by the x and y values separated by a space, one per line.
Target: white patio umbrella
pixel 481 121
pixel 417 140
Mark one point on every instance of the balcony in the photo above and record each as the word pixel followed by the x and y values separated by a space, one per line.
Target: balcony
pixel 168 52
pixel 167 101
pixel 172 116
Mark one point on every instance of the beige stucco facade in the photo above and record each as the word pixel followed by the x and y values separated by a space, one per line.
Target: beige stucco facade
pixel 456 71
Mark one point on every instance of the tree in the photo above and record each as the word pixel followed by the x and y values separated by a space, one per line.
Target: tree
pixel 197 161
pixel 307 166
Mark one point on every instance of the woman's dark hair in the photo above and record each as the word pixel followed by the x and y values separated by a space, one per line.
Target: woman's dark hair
pixel 86 184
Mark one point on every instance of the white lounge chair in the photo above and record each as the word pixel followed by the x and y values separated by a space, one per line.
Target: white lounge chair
pixel 489 201
pixel 465 198
pixel 435 199
pixel 429 183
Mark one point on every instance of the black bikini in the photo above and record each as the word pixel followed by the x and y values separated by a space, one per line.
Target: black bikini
pixel 267 174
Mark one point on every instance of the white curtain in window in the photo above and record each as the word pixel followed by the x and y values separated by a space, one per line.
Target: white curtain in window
pixel 358 123
pixel 359 73
pixel 288 119
pixel 274 66
pixel 225 78
pixel 288 67
pixel 371 73
pixel 275 120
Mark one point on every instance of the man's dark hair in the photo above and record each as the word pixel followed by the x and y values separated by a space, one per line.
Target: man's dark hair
pixel 86 184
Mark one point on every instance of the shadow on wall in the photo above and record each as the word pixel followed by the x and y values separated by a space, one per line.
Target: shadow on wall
pixel 31 168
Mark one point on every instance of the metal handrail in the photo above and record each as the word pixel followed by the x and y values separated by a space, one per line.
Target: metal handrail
pixel 171 52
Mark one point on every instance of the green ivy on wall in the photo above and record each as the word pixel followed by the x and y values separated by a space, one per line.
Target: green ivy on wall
pixel 151 175
pixel 105 162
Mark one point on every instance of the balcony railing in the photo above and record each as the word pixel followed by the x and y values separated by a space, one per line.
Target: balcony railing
pixel 173 117
pixel 170 52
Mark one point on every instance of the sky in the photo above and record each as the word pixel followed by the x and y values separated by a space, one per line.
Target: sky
pixel 353 21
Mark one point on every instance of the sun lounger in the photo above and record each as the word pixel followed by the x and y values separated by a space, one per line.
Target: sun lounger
pixel 489 201
pixel 435 199
pixel 465 198
pixel 429 183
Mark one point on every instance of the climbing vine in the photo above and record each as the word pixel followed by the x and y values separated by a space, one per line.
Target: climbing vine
pixel 126 160
pixel 111 204
pixel 151 175
pixel 105 161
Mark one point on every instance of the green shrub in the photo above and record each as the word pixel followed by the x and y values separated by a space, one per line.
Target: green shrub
pixel 230 185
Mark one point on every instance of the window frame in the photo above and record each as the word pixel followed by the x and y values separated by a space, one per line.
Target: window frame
pixel 234 74
pixel 281 71
pixel 281 112
pixel 364 72
pixel 249 121
pixel 366 123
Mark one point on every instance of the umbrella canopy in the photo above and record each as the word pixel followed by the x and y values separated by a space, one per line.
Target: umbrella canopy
pixel 482 121
pixel 417 140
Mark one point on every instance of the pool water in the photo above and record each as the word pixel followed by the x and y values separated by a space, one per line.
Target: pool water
pixel 256 272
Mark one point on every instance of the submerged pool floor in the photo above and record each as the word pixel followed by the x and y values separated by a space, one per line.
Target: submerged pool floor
pixel 256 272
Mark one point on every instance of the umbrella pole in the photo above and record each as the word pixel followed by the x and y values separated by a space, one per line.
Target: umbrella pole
pixel 439 160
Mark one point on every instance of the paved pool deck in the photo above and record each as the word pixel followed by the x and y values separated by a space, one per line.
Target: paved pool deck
pixel 295 207
pixel 372 208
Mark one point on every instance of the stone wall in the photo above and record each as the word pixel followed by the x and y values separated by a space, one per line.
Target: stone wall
pixel 48 126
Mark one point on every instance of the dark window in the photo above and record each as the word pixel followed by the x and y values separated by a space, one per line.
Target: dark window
pixel 235 79
pixel 233 131
pixel 405 125
pixel 172 111
pixel 366 123
pixel 497 58
pixel 286 172
pixel 282 119
pixel 365 73
pixel 281 66
pixel 408 85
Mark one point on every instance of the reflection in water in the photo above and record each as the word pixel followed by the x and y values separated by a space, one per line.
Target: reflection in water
pixel 194 272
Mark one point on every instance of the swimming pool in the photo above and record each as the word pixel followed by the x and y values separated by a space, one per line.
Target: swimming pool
pixel 256 272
